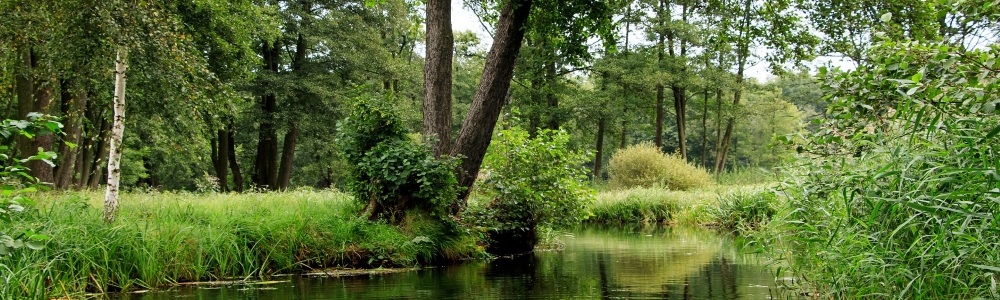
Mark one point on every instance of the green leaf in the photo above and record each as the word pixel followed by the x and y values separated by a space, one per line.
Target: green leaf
pixel 885 18
pixel 917 77
pixel 992 133
pixel 985 267
pixel 35 245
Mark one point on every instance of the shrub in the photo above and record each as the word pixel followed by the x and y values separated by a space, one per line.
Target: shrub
pixel 643 165
pixel 683 176
pixel 16 184
pixel 531 182
pixel 640 165
pixel 390 173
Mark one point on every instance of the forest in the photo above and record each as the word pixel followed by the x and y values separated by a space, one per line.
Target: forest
pixel 851 144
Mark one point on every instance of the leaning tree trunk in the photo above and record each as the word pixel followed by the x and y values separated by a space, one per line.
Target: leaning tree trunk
pixel 477 128
pixel 437 75
pixel 115 155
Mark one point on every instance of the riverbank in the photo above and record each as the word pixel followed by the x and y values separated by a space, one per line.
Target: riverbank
pixel 161 239
pixel 658 205
pixel 165 238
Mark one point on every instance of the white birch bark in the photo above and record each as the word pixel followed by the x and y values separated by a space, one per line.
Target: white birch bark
pixel 117 129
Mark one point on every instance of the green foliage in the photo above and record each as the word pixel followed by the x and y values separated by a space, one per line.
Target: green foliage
pixel 16 184
pixel 746 211
pixel 900 196
pixel 532 181
pixel 643 165
pixel 388 169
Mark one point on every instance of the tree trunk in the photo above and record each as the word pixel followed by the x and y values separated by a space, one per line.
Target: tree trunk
pixel 25 101
pixel 265 171
pixel 97 168
pixel 718 128
pixel 287 155
pixel 75 107
pixel 34 94
pixel 220 157
pixel 233 164
pixel 680 106
pixel 477 128
pixel 599 153
pixel 704 131
pixel 743 50
pixel 658 138
pixel 437 75
pixel 115 155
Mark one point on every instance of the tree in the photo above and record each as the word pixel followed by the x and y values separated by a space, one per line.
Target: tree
pixel 437 74
pixel 769 25
pixel 117 129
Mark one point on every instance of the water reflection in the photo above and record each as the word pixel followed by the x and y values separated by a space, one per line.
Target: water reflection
pixel 597 263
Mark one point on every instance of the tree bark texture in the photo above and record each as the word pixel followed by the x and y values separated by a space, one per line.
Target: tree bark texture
pixel 287 156
pixel 477 128
pixel 34 94
pixel 75 104
pixel 115 153
pixel 265 164
pixel 437 75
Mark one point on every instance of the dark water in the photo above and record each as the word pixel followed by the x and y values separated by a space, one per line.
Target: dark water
pixel 596 263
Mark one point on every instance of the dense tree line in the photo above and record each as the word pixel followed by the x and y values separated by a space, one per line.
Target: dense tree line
pixel 249 92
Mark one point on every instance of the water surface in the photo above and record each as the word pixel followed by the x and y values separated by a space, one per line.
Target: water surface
pixel 597 262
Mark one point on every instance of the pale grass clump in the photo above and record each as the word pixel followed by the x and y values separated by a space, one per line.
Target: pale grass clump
pixel 643 165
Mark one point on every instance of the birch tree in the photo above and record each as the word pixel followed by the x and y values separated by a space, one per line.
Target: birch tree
pixel 117 129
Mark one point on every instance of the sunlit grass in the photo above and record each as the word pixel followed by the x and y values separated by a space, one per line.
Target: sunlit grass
pixel 163 238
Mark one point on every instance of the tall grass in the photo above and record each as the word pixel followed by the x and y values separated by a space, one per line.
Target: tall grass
pixel 164 238
pixel 658 205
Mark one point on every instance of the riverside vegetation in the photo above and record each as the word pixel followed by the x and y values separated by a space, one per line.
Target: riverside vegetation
pixel 877 181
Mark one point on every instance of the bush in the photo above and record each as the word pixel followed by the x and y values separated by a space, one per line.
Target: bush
pixel 531 182
pixel 390 173
pixel 683 176
pixel 643 165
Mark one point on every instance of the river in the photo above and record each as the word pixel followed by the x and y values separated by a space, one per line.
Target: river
pixel 596 262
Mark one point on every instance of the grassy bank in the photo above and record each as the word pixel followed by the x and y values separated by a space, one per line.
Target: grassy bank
pixel 164 238
pixel 658 205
